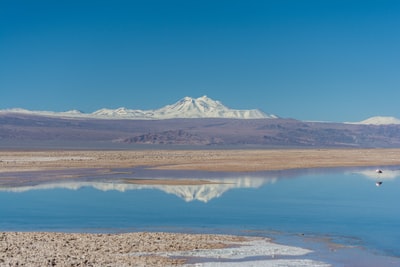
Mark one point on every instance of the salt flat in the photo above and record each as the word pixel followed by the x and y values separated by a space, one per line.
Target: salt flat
pixel 208 160
pixel 141 249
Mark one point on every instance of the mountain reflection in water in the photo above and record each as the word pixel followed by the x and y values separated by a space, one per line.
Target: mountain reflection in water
pixel 196 187
pixel 385 175
pixel 335 202
pixel 204 191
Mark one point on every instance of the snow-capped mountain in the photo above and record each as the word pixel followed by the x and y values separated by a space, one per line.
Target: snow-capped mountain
pixel 120 113
pixel 70 113
pixel 202 107
pixel 379 120
pixel 205 107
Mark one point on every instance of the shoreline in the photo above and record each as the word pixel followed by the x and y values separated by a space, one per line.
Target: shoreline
pixel 146 249
pixel 181 249
pixel 197 160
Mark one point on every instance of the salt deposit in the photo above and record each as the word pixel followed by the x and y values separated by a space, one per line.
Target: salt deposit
pixel 254 252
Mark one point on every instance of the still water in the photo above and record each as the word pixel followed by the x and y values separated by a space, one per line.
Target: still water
pixel 336 203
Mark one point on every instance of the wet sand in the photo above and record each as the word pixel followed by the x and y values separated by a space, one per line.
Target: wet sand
pixel 205 160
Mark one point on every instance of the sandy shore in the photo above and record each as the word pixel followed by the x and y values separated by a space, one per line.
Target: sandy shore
pixel 141 249
pixel 210 160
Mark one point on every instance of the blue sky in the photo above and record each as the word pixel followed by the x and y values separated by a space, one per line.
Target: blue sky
pixel 310 60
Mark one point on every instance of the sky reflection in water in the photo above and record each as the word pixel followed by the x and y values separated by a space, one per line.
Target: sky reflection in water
pixel 339 202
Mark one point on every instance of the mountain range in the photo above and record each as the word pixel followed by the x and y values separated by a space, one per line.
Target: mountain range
pixel 187 107
pixel 191 122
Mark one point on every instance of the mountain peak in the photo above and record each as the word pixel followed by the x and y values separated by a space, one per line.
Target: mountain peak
pixel 199 101
pixel 205 98
pixel 205 107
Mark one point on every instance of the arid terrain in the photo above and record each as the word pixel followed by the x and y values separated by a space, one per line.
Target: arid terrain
pixel 28 131
pixel 207 160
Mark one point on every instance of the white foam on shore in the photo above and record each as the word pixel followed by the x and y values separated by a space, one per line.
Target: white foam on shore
pixel 260 252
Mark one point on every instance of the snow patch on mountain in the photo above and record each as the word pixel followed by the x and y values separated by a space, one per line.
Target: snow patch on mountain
pixel 119 113
pixel 70 113
pixel 379 120
pixel 202 107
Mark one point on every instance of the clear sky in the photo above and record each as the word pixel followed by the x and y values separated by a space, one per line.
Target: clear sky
pixel 329 60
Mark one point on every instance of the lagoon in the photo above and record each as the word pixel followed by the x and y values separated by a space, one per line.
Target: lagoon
pixel 342 205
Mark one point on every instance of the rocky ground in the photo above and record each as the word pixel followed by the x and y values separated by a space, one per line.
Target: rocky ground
pixel 128 249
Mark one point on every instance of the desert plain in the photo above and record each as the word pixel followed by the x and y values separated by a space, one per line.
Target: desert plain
pixel 143 249
pixel 205 160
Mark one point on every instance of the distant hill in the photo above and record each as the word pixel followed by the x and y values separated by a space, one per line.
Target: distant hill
pixel 26 130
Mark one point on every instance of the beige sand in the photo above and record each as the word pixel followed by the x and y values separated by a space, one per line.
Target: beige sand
pixel 210 160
